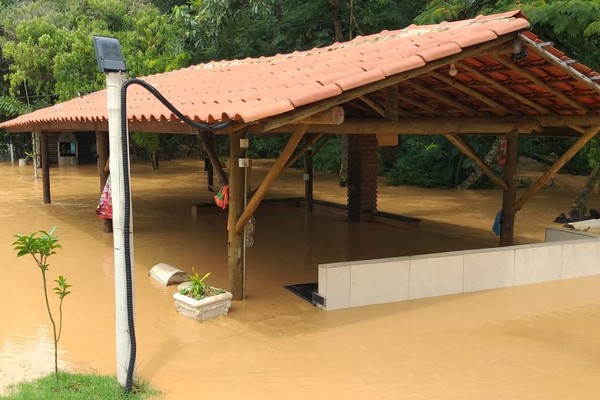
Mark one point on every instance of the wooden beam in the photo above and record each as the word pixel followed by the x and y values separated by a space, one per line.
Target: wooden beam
pixel 469 152
pixel 307 145
pixel 235 240
pixel 45 167
pixel 589 134
pixel 471 92
pixel 573 73
pixel 306 111
pixel 272 175
pixel 423 126
pixel 440 97
pixel 539 82
pixel 333 116
pixel 509 195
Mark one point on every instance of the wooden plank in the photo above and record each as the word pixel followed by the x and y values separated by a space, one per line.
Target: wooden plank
pixel 509 195
pixel 235 240
pixel 469 152
pixel 423 106
pixel 590 133
pixel 471 92
pixel 272 175
pixel 45 167
pixel 303 112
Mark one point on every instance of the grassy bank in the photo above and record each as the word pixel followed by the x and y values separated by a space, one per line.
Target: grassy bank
pixel 76 387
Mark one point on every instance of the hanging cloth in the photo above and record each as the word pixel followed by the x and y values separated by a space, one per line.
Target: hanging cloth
pixel 222 198
pixel 104 209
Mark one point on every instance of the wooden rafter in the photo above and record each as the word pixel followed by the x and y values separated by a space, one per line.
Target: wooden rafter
pixel 473 93
pixel 501 88
pixel 469 152
pixel 373 104
pixel 440 97
pixel 543 84
pixel 589 134
pixel 423 106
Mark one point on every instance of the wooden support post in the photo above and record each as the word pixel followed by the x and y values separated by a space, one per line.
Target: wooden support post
pixel 272 175
pixel 45 168
pixel 308 182
pixel 235 241
pixel 589 134
pixel 102 148
pixel 509 196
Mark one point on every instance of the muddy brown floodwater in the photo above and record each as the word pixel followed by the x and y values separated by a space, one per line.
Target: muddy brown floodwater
pixel 530 342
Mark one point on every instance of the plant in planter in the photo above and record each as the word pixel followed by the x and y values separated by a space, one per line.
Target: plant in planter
pixel 200 301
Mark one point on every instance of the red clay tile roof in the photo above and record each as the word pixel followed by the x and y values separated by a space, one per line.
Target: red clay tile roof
pixel 253 90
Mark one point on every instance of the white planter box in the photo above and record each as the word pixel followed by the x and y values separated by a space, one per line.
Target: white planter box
pixel 201 310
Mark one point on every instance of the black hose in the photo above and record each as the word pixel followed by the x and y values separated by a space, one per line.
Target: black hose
pixel 127 195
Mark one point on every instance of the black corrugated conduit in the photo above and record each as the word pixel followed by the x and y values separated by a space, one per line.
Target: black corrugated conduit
pixel 127 195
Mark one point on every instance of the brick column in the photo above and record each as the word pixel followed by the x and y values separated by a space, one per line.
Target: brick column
pixel 362 177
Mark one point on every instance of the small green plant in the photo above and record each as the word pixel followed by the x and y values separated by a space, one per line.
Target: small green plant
pixel 41 245
pixel 198 288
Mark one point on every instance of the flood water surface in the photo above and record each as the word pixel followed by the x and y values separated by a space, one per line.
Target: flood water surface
pixel 530 342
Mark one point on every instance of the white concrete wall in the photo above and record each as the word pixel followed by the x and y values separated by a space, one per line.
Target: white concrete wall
pixel 361 283
pixel 563 234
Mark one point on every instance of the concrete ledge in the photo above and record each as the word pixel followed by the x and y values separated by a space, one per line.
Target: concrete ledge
pixel 331 210
pixel 360 283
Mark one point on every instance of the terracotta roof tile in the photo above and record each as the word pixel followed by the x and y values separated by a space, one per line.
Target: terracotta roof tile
pixel 258 88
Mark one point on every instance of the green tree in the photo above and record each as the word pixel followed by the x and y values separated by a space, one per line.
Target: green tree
pixel 41 245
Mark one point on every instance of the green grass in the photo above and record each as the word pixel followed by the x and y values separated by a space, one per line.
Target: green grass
pixel 68 386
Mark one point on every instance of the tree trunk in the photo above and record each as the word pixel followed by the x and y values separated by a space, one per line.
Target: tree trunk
pixel 478 173
pixel 338 32
pixel 581 199
pixel 338 36
pixel 209 146
pixel 154 156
